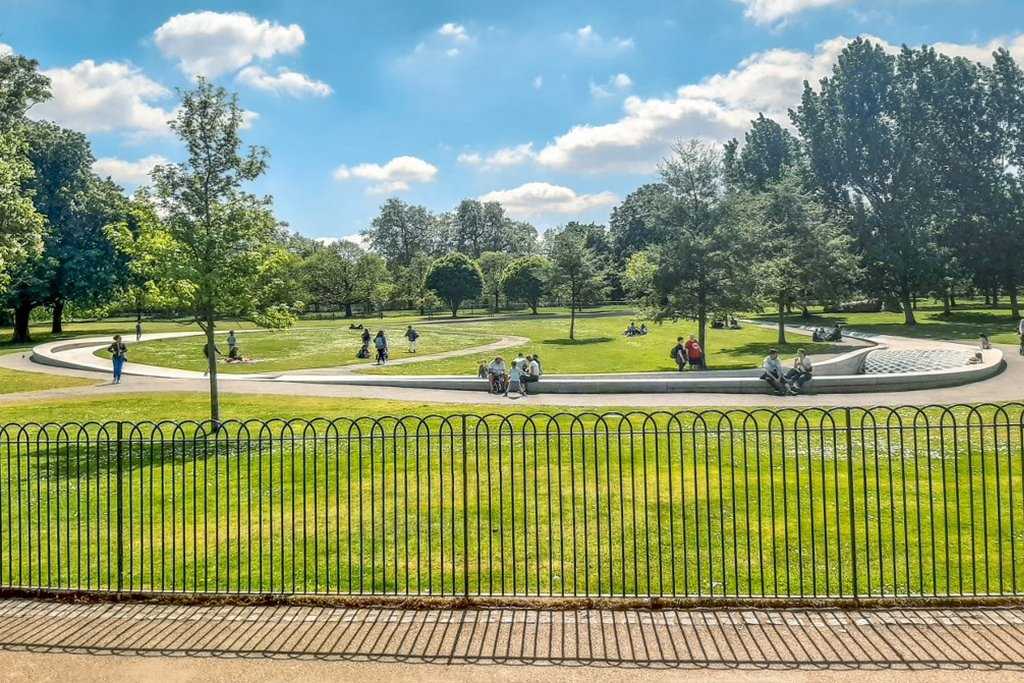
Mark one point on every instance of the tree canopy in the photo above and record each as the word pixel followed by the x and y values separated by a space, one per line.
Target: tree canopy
pixel 455 278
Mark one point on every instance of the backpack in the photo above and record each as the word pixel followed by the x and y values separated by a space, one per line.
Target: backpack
pixel 675 350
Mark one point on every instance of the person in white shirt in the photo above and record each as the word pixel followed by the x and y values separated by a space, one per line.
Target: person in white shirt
pixel 1020 327
pixel 515 375
pixel 773 372
pixel 532 373
pixel 801 372
pixel 496 374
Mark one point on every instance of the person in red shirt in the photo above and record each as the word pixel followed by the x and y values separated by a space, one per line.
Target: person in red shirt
pixel 695 354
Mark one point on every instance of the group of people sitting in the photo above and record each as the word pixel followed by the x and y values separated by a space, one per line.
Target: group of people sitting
pixel 820 334
pixel 688 352
pixel 723 323
pixel 515 377
pixel 234 351
pixel 784 381
pixel 380 343
pixel 634 331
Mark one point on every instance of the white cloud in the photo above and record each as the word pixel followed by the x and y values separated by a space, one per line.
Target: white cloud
pixel 214 43
pixel 773 11
pixel 538 82
pixel 586 38
pixel 283 82
pixel 99 98
pixel 618 82
pixel 394 176
pixel 5 50
pixel 716 109
pixel 456 32
pixel 128 172
pixel 501 158
pixel 452 52
pixel 534 199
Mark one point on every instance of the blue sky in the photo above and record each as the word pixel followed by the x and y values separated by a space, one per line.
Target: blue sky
pixel 557 109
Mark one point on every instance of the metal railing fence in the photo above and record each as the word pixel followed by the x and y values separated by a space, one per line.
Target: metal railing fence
pixel 788 503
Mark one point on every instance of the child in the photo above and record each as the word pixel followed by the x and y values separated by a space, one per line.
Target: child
pixel 515 379
pixel 481 370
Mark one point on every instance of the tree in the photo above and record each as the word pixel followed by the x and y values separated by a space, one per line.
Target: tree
pixel 577 271
pixel 870 134
pixel 526 279
pixel 638 279
pixel 401 231
pixel 410 283
pixel 492 268
pixel 637 223
pixel 341 274
pixel 79 262
pixel 768 152
pixel 455 278
pixel 21 226
pixel 803 255
pixel 214 235
pixel 703 264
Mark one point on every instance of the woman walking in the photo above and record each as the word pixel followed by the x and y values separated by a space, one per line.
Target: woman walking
pixel 119 354
pixel 380 342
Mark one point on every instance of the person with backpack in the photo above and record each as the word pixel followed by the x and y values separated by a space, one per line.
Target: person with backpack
pixel 119 355
pixel 412 335
pixel 380 342
pixel 678 354
pixel 695 354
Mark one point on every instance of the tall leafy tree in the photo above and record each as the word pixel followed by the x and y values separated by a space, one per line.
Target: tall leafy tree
pixel 79 262
pixel 871 135
pixel 214 234
pixel 578 272
pixel 21 225
pixel 401 231
pixel 492 268
pixel 526 279
pixel 341 275
pixel 455 278
pixel 636 223
pixel 803 255
pixel 703 263
pixel 768 152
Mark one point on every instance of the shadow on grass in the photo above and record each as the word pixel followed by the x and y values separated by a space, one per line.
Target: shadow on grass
pixel 577 342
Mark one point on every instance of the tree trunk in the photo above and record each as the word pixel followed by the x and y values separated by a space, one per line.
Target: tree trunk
pixel 702 329
pixel 348 309
pixel 1014 302
pixel 211 363
pixel 952 299
pixel 782 323
pixel 57 326
pixel 947 308
pixel 21 328
pixel 572 321
pixel 804 311
pixel 495 302
pixel 995 297
pixel 906 301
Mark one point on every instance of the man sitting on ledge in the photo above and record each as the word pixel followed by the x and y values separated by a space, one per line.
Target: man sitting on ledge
pixel 773 372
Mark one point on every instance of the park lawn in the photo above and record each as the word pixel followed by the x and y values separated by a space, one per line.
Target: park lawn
pixel 14 381
pixel 600 346
pixel 736 511
pixel 328 344
pixel 965 323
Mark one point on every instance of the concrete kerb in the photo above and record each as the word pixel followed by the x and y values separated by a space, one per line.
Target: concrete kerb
pixel 838 375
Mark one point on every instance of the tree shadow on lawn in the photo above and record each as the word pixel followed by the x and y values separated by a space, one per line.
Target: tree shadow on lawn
pixel 577 342
pixel 959 325
pixel 791 346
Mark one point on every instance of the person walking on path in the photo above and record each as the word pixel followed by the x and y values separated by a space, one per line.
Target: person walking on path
pixel 119 354
pixel 138 330
pixel 380 342
pixel 695 354
pixel 412 335
pixel 679 354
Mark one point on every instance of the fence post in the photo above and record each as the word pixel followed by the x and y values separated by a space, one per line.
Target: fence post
pixel 120 509
pixel 465 513
pixel 849 495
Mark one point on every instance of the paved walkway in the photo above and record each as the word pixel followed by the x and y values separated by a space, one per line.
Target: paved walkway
pixel 527 644
pixel 1005 387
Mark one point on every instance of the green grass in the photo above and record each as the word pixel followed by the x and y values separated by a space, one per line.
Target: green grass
pixel 963 324
pixel 329 344
pixel 560 505
pixel 600 347
pixel 15 381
